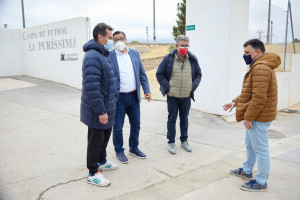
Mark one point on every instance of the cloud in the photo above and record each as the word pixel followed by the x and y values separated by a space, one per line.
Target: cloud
pixel 134 16
pixel 131 16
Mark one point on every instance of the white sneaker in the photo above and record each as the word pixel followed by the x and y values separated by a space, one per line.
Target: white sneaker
pixel 98 180
pixel 107 166
pixel 171 148
pixel 185 145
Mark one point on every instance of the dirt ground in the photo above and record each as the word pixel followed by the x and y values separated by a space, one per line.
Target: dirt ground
pixel 151 63
pixel 279 48
pixel 152 59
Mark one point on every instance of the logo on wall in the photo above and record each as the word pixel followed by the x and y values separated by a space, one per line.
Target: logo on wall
pixel 69 57
pixel 62 57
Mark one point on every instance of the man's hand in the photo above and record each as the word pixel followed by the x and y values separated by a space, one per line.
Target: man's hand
pixel 148 97
pixel 248 124
pixel 103 119
pixel 229 106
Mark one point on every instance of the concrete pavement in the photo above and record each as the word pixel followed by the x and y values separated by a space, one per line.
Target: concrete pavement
pixel 43 151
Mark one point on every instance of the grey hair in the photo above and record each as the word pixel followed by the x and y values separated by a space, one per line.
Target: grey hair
pixel 182 37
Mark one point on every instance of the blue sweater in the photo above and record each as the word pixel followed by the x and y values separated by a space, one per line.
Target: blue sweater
pixel 164 72
pixel 98 88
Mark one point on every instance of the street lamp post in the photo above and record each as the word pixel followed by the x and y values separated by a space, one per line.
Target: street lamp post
pixel 259 33
pixel 154 36
pixel 269 22
pixel 23 15
pixel 147 35
pixel 271 36
pixel 286 32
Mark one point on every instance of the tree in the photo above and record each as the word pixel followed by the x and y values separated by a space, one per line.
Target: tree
pixel 180 28
pixel 297 40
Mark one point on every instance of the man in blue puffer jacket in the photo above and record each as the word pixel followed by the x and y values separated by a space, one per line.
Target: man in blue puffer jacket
pixel 98 104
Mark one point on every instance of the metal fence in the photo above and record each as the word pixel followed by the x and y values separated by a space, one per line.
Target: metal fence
pixel 258 20
pixel 274 24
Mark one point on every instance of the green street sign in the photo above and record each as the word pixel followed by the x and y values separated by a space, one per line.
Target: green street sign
pixel 190 27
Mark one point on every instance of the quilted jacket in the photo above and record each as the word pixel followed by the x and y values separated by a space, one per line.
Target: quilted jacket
pixel 98 87
pixel 258 99
pixel 165 68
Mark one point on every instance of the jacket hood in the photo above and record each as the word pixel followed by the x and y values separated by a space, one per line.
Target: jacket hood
pixel 92 44
pixel 270 59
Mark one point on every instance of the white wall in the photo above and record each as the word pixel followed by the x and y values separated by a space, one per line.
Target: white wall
pixel 289 83
pixel 294 96
pixel 283 82
pixel 44 46
pixel 37 51
pixel 11 56
pixel 221 28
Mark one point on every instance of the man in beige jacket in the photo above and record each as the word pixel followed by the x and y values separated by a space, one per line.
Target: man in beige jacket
pixel 257 106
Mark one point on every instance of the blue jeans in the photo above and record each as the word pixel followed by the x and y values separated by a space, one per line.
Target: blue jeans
pixel 129 104
pixel 182 105
pixel 257 146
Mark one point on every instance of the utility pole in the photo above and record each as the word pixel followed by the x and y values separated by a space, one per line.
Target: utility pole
pixel 259 33
pixel 292 26
pixel 147 35
pixel 154 36
pixel 286 32
pixel 271 32
pixel 269 21
pixel 23 15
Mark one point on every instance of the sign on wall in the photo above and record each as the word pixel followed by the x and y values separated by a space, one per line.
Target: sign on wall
pixel 54 51
pixel 49 39
pixel 190 27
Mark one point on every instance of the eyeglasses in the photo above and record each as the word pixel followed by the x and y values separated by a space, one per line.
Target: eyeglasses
pixel 119 39
pixel 184 46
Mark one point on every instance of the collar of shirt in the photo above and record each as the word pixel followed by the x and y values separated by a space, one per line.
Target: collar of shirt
pixel 120 53
pixel 185 57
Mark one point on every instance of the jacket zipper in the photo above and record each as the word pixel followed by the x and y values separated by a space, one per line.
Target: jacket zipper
pixel 181 78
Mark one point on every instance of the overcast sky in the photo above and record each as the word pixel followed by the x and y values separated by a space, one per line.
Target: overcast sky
pixel 130 16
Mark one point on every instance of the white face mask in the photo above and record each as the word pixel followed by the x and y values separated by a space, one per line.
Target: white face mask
pixel 120 46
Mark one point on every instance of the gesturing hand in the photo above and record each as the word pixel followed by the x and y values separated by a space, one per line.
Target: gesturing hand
pixel 229 106
pixel 103 119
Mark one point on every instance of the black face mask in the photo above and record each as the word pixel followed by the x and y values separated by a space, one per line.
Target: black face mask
pixel 248 59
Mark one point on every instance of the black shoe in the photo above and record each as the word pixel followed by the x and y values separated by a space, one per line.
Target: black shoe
pixel 239 172
pixel 137 153
pixel 122 158
pixel 254 186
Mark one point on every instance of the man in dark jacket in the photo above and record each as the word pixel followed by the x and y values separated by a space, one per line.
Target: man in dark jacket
pixel 98 104
pixel 179 75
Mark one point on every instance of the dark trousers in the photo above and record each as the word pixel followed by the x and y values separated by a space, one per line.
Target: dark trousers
pixel 96 150
pixel 182 105
pixel 129 104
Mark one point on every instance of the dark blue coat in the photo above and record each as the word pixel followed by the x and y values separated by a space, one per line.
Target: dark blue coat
pixel 164 72
pixel 98 87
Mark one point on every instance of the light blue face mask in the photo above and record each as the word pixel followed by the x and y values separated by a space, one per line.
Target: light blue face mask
pixel 109 45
